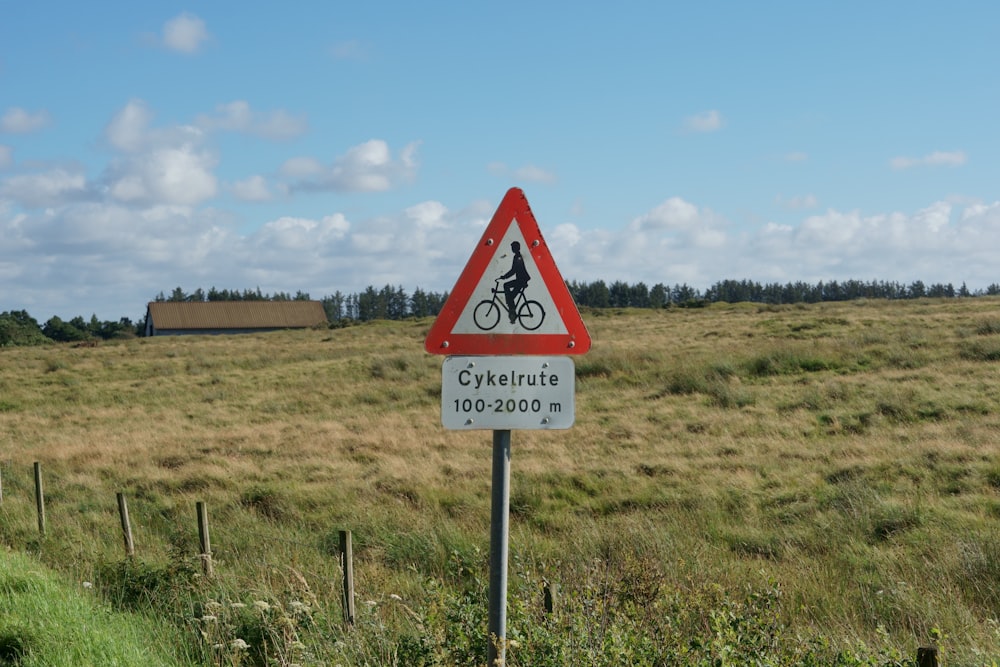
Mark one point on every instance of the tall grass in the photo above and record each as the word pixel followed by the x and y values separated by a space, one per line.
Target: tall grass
pixel 44 621
pixel 797 485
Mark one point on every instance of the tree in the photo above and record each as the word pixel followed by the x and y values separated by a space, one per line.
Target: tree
pixel 17 327
pixel 598 295
pixel 66 332
pixel 619 294
pixel 658 296
pixel 418 303
pixel 333 305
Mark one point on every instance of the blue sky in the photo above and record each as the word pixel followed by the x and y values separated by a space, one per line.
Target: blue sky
pixel 331 146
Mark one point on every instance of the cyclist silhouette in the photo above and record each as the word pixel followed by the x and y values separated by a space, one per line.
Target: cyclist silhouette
pixel 512 288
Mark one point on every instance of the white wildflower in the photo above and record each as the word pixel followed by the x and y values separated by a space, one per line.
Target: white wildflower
pixel 261 605
pixel 239 645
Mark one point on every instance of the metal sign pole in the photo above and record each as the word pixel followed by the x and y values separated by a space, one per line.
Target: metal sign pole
pixel 499 533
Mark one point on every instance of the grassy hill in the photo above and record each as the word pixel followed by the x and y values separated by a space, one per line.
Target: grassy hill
pixel 810 484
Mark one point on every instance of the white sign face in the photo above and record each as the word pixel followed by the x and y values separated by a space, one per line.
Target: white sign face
pixel 532 310
pixel 508 393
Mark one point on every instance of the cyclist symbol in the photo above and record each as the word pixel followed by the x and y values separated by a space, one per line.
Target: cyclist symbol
pixel 519 309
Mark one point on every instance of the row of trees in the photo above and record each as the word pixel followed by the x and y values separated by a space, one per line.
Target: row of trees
pixel 623 295
pixel 393 303
pixel 17 327
pixel 388 303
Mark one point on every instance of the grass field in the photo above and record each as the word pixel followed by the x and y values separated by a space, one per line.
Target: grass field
pixel 744 484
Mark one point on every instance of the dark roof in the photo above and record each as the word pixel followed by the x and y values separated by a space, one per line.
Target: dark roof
pixel 236 314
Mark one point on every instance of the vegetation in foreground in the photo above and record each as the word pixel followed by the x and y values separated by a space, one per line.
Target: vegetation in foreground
pixel 745 484
pixel 45 621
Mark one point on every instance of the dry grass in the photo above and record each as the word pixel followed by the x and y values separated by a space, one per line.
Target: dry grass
pixel 848 451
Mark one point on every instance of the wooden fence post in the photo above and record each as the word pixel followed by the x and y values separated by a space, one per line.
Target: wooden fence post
pixel 40 498
pixel 347 563
pixel 126 526
pixel 1 486
pixel 203 539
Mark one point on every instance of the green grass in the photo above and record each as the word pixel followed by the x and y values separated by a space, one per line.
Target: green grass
pixel 45 621
pixel 817 484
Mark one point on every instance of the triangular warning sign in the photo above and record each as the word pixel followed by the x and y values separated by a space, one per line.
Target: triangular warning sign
pixel 510 298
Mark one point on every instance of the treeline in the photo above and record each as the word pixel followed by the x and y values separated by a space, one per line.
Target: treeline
pixel 623 295
pixel 17 327
pixel 393 303
pixel 387 303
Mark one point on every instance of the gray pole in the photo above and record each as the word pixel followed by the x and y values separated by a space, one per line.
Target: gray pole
pixel 499 532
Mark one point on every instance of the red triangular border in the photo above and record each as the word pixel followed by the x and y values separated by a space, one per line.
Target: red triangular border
pixel 442 340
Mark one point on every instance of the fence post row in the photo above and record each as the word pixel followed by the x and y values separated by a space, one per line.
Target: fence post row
pixel 927 656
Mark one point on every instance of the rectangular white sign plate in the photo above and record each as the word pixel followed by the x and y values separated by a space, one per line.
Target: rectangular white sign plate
pixel 508 393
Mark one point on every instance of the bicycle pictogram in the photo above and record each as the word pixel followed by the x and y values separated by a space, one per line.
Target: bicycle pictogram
pixel 527 312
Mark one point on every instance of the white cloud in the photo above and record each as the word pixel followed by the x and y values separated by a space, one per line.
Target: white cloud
pixel 6 156
pixel 130 130
pixel 565 235
pixel 44 189
pixel 301 167
pixel 127 131
pixel 19 121
pixel 935 159
pixel 251 189
pixel 675 213
pixel 428 214
pixel 301 234
pixel 185 33
pixel 367 167
pixel 165 165
pixel 705 121
pixel 237 116
pixel 110 245
pixel 179 175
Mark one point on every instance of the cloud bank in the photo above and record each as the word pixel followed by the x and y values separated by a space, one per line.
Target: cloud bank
pixel 105 242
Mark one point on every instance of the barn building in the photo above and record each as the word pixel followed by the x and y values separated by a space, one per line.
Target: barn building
pixel 174 318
